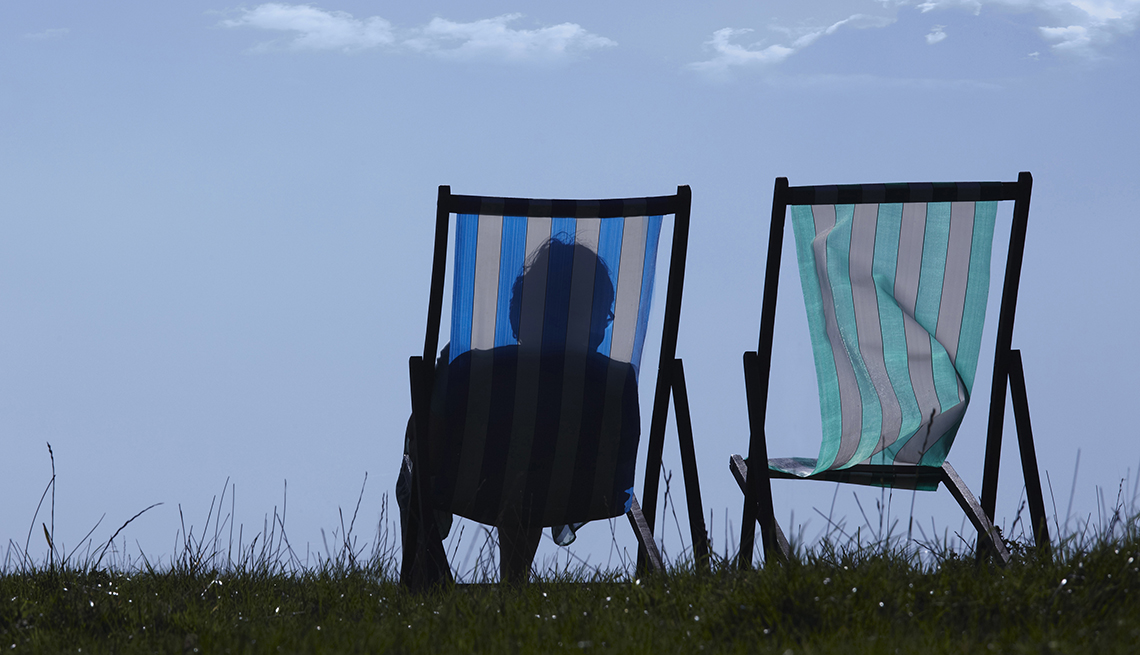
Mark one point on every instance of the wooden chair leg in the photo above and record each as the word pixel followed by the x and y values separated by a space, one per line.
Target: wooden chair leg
pixel 644 537
pixel 424 563
pixel 775 543
pixel 410 545
pixel 987 533
pixel 758 490
pixel 425 560
pixel 1028 452
pixel 689 468
pixel 429 568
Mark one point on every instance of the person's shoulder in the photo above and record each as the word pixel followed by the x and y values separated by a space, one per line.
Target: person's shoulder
pixel 600 364
pixel 499 353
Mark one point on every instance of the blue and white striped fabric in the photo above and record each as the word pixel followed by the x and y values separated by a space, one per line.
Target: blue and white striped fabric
pixel 548 323
pixel 896 300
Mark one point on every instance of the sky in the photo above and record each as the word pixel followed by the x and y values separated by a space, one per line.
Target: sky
pixel 216 231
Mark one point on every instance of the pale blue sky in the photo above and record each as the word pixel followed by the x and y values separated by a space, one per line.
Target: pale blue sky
pixel 216 219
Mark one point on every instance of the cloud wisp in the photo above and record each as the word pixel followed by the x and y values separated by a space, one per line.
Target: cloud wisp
pixel 46 35
pixel 315 29
pixel 729 55
pixel 1078 27
pixel 312 28
pixel 494 38
pixel 1081 28
pixel 936 35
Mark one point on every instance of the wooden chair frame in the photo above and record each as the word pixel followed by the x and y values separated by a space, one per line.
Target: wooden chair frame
pixel 1007 370
pixel 670 375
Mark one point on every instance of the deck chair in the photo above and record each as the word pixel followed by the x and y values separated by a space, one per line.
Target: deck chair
pixel 895 280
pixel 532 414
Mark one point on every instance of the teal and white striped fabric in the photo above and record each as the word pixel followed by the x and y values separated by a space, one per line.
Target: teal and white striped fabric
pixel 896 300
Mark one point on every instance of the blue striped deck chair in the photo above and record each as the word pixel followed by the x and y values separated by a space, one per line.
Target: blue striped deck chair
pixel 895 280
pixel 531 414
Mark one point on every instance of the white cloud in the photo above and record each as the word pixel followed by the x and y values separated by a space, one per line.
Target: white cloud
pixel 493 38
pixel 54 33
pixel 312 28
pixel 860 21
pixel 729 54
pixel 1075 38
pixel 316 29
pixel 1078 27
pixel 931 5
pixel 937 35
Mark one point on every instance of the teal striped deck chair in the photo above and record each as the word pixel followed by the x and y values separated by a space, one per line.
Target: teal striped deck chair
pixel 531 415
pixel 895 280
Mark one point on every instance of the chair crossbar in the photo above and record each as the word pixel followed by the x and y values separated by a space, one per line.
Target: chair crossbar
pixel 872 475
pixel 535 208
pixel 644 536
pixel 844 194
pixel 782 548
pixel 922 478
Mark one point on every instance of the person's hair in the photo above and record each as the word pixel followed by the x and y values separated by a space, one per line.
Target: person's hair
pixel 556 258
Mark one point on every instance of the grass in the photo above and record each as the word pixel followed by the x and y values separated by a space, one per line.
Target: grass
pixel 226 593
pixel 1085 601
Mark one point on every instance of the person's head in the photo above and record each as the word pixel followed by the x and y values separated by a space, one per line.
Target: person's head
pixel 556 263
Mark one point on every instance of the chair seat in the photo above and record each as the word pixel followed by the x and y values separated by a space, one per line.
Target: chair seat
pixel 580 439
pixel 922 478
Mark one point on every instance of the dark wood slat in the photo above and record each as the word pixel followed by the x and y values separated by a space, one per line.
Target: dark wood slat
pixel 780 547
pixel 534 207
pixel 875 475
pixel 689 468
pixel 757 376
pixel 438 272
pixel 1028 453
pixel 425 561
pixel 412 516
pixel 1004 343
pixel 844 194
pixel 669 332
pixel 986 531
pixel 644 534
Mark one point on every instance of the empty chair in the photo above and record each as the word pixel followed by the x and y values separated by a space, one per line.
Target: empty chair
pixel 895 280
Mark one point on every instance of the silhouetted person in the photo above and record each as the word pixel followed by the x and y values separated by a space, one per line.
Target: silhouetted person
pixel 523 390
